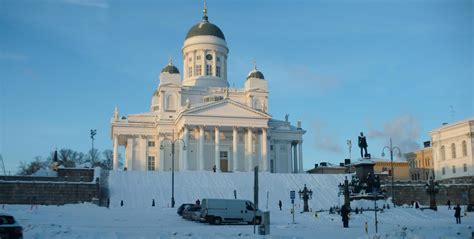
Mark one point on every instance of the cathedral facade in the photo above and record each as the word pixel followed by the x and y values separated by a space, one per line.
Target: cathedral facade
pixel 196 122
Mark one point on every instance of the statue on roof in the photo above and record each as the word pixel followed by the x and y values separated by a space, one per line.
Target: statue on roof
pixel 286 117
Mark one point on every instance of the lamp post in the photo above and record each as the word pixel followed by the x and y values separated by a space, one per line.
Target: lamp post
pixel 391 148
pixel 345 189
pixel 93 133
pixel 432 188
pixel 305 195
pixel 173 142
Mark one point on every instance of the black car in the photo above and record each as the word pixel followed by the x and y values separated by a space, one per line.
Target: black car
pixel 9 228
pixel 190 210
pixel 182 207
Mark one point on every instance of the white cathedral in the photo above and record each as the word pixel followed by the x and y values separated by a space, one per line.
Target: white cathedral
pixel 211 126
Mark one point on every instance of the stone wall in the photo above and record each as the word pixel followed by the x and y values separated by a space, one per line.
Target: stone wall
pixel 47 193
pixel 405 193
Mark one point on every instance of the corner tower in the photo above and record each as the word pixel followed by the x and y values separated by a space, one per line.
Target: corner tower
pixel 205 55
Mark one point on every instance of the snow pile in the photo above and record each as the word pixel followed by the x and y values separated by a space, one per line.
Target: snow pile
pixel 138 189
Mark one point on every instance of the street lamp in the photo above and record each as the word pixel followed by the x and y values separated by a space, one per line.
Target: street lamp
pixel 93 133
pixel 345 189
pixel 305 195
pixel 375 181
pixel 173 142
pixel 432 188
pixel 391 149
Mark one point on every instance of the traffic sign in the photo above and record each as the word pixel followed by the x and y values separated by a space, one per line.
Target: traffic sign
pixel 292 195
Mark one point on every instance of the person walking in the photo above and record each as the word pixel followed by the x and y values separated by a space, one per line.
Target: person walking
pixel 449 204
pixel 345 216
pixel 198 202
pixel 457 214
pixel 280 204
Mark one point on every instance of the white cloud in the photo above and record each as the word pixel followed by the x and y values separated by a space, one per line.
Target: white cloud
pixel 403 130
pixel 89 3
pixel 323 140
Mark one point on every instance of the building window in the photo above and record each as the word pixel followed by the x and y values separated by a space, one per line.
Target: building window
pixel 190 71
pixel 464 148
pixel 198 57
pixel 443 153
pixel 218 59
pixel 223 154
pixel 208 70
pixel 198 70
pixel 271 147
pixel 465 167
pixel 170 102
pixel 218 71
pixel 454 169
pixel 453 151
pixel 443 170
pixel 151 143
pixel 151 163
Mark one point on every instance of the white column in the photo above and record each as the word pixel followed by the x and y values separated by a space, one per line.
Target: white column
pixel 162 154
pixel 115 158
pixel 131 154
pixel 300 156
pixel 185 152
pixel 290 162
pixel 249 150
pixel 217 156
pixel 295 159
pixel 263 144
pixel 201 148
pixel 235 143
pixel 144 152
pixel 157 153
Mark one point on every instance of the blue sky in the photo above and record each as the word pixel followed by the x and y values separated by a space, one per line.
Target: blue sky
pixel 387 68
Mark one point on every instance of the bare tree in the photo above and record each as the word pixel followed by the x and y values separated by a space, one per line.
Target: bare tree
pixel 32 167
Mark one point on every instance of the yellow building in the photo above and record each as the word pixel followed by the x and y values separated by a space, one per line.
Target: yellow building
pixel 400 168
pixel 421 163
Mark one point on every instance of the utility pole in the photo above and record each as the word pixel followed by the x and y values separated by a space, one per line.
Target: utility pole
pixel 93 133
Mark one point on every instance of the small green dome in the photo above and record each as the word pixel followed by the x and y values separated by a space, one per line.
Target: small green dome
pixel 170 69
pixel 256 74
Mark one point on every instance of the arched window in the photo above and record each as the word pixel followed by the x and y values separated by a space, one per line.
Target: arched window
pixel 443 153
pixel 170 102
pixel 453 151
pixel 464 148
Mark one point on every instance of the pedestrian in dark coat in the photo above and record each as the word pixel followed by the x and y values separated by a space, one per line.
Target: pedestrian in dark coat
pixel 417 205
pixel 457 214
pixel 280 204
pixel 198 202
pixel 449 204
pixel 345 216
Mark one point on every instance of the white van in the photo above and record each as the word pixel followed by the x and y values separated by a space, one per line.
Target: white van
pixel 217 211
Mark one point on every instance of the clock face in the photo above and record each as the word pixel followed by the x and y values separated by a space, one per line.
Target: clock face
pixel 208 57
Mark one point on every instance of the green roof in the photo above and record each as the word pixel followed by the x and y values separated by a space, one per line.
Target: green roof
pixel 205 28
pixel 170 69
pixel 256 74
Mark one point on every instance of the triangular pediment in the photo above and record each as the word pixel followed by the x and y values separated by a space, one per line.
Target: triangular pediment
pixel 226 108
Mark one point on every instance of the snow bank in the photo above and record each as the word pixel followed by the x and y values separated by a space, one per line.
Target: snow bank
pixel 138 189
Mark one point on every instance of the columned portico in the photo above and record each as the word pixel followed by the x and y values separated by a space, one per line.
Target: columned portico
pixel 300 156
pixel 295 157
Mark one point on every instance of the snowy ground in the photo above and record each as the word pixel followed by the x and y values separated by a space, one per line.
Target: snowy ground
pixel 138 219
pixel 90 221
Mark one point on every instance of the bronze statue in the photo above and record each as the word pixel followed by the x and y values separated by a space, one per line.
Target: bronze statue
pixel 362 145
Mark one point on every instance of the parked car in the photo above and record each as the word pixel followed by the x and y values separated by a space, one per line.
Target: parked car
pixel 182 207
pixel 197 216
pixel 9 228
pixel 189 211
pixel 217 211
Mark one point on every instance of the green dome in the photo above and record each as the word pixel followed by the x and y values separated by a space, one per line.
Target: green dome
pixel 205 28
pixel 170 69
pixel 256 74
